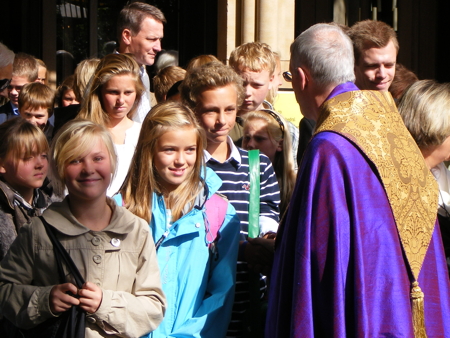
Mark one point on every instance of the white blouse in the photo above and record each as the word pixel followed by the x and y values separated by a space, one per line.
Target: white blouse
pixel 124 154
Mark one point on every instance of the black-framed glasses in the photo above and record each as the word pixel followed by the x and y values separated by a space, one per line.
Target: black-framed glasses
pixel 4 84
pixel 287 76
pixel 277 118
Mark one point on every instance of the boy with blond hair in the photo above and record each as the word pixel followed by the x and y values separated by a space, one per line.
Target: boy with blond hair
pixel 36 106
pixel 256 63
pixel 25 70
pixel 165 80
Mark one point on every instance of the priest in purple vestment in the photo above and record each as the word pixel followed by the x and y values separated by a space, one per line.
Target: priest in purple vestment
pixel 359 253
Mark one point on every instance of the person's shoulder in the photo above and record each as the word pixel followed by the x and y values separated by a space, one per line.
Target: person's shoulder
pixel 243 152
pixel 6 215
pixel 328 139
pixel 292 127
pixel 127 216
pixel 136 126
pixel 329 147
pixel 6 106
pixel 264 159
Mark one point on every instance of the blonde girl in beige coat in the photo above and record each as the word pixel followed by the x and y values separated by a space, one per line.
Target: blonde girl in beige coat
pixel 111 247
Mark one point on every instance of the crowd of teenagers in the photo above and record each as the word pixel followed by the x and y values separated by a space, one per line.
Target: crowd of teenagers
pixel 169 211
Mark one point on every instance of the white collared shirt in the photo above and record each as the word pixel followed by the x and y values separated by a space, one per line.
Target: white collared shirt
pixel 144 106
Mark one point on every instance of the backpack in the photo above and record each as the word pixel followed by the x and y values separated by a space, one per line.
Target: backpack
pixel 215 209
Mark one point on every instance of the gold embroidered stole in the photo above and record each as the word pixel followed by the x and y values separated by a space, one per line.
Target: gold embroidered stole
pixel 370 120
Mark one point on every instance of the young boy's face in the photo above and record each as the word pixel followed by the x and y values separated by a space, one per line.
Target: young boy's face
pixel 38 117
pixel 216 110
pixel 257 86
pixel 16 85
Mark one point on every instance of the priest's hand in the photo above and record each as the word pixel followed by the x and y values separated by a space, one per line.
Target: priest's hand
pixel 259 255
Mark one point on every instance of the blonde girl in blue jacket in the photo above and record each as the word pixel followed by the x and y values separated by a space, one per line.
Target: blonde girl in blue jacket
pixel 168 186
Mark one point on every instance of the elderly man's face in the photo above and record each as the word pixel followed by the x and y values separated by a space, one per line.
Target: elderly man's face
pixel 375 68
pixel 5 74
pixel 147 43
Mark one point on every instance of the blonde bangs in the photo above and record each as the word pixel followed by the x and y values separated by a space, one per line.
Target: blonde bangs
pixel 26 141
pixel 75 140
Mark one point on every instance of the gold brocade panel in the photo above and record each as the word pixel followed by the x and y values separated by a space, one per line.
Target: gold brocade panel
pixel 371 121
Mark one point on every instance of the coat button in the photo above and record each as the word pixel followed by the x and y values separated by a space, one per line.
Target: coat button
pixel 91 320
pixel 96 241
pixel 197 225
pixel 97 259
pixel 115 242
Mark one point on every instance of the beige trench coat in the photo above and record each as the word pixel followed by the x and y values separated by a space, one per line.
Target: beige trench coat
pixel 121 259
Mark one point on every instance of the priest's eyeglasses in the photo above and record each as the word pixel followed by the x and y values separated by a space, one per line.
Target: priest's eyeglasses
pixel 287 76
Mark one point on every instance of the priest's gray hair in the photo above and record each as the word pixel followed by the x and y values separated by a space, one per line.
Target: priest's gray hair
pixel 6 56
pixel 327 52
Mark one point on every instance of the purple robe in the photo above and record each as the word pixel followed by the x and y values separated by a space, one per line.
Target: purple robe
pixel 339 268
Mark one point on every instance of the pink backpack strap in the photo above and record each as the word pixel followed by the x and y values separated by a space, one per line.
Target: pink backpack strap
pixel 216 209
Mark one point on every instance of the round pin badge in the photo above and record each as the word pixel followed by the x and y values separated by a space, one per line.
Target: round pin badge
pixel 115 242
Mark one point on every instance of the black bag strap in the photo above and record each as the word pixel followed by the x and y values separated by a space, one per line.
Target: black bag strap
pixel 62 255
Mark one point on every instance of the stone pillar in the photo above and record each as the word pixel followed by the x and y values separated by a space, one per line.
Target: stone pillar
pixel 339 12
pixel 267 22
pixel 286 33
pixel 49 42
pixel 227 23
pixel 248 21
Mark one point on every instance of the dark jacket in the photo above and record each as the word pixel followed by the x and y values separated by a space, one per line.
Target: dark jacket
pixel 15 212
pixel 6 112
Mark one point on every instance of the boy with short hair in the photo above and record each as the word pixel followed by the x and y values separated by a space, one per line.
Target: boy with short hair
pixel 25 70
pixel 256 63
pixel 214 91
pixel 36 106
pixel 164 81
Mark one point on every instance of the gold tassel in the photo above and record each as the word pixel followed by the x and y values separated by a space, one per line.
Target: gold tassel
pixel 418 313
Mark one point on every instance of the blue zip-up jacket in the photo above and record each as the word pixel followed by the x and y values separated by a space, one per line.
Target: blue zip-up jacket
pixel 198 285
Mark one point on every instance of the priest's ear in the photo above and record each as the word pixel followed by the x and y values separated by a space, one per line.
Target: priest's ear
pixel 304 77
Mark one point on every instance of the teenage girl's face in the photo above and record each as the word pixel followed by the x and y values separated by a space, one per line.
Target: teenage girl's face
pixel 118 96
pixel 26 174
pixel 175 156
pixel 88 177
pixel 257 137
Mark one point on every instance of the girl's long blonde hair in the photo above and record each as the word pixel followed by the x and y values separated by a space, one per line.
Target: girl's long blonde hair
pixel 283 163
pixel 111 65
pixel 142 179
